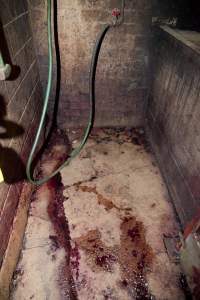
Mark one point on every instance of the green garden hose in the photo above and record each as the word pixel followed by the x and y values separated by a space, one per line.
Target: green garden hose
pixel 93 66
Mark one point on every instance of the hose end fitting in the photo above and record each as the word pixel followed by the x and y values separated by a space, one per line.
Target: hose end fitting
pixel 116 13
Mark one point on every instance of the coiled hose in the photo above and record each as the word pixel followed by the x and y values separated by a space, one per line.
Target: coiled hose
pixel 93 66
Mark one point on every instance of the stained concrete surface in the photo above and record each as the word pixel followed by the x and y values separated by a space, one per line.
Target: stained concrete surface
pixel 97 231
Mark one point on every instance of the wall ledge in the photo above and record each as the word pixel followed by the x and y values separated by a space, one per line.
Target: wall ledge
pixel 179 35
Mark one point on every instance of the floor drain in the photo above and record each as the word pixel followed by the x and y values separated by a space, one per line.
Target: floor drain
pixel 172 245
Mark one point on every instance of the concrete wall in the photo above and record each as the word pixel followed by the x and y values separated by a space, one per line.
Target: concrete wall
pixel 122 79
pixel 20 99
pixel 174 114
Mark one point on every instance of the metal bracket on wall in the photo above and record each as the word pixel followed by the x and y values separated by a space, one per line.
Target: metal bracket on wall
pixel 5 69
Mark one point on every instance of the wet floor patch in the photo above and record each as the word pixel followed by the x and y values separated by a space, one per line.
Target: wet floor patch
pixel 133 256
pixel 96 231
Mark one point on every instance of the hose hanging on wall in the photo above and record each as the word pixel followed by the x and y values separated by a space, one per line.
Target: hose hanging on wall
pixel 117 21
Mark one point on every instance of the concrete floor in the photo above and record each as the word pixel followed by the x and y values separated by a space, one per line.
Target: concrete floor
pixel 97 231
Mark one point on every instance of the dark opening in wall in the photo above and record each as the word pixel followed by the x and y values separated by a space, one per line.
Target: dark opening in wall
pixel 186 12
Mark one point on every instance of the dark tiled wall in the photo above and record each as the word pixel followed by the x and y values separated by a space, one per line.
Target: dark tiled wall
pixel 168 8
pixel 186 11
pixel 122 75
pixel 174 112
pixel 20 106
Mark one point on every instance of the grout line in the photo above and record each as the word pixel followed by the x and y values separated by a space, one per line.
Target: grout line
pixel 17 53
pixel 16 18
pixel 171 190
pixel 35 114
pixel 27 72
pixel 179 168
pixel 34 88
pixel 2 210
pixel 35 247
pixel 37 217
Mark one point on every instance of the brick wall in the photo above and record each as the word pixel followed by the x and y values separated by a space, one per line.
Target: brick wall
pixel 122 75
pixel 20 99
pixel 174 112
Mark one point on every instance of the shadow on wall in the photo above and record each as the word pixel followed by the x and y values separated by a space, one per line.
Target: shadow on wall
pixel 15 70
pixel 11 164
